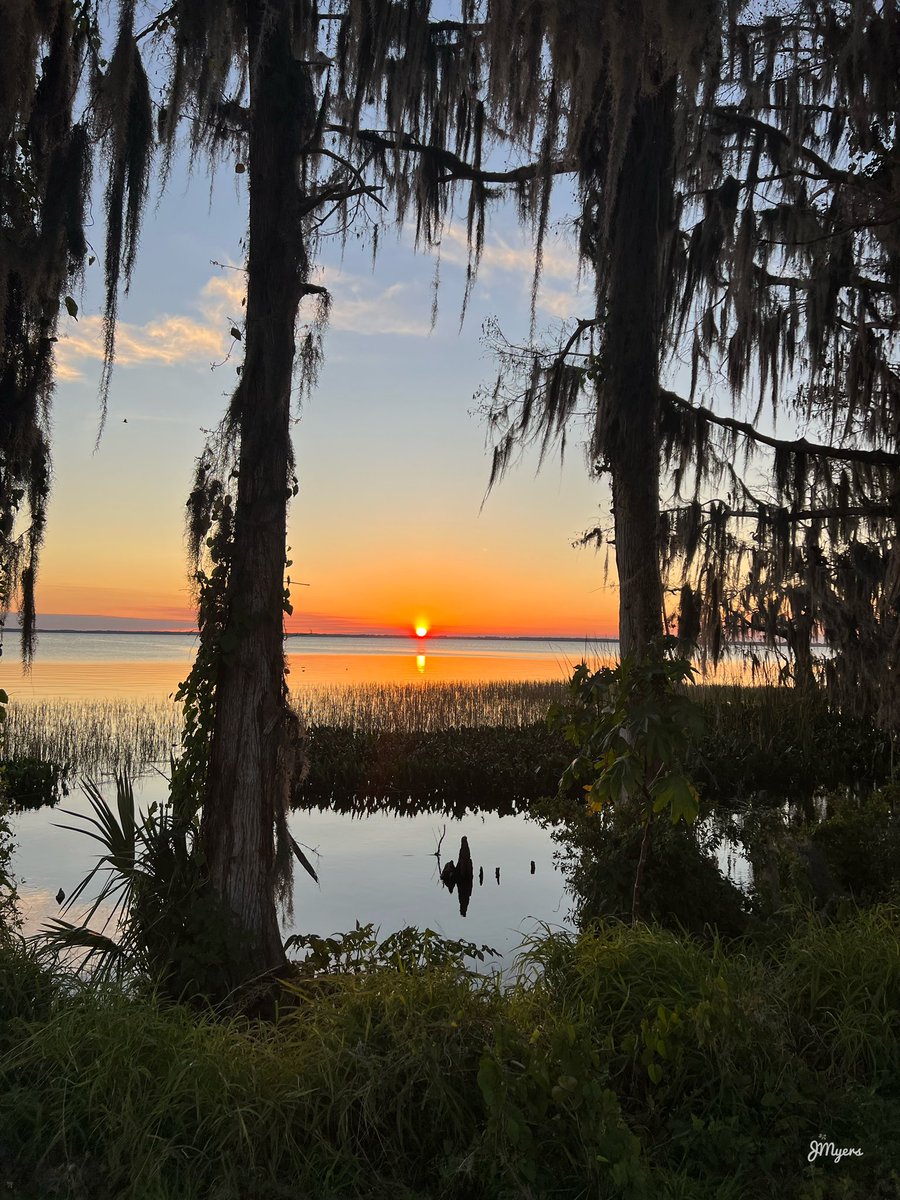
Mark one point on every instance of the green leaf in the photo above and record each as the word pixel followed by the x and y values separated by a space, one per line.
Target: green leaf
pixel 678 794
pixel 489 1081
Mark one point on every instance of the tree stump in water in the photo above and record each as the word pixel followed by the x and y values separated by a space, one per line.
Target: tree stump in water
pixel 460 875
pixel 464 876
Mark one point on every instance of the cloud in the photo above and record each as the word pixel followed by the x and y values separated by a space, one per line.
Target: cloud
pixel 559 262
pixel 359 305
pixel 166 340
pixel 565 305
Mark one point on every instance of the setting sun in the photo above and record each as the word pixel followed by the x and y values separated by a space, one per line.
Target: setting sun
pixel 421 630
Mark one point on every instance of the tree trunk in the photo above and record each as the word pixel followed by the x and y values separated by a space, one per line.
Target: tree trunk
pixel 628 416
pixel 251 747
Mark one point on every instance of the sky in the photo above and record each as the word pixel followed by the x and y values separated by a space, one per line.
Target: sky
pixel 391 527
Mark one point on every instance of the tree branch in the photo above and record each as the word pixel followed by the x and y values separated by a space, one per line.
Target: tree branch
pixel 456 167
pixel 872 458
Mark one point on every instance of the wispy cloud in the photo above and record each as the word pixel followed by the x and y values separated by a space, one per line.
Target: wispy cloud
pixel 559 260
pixel 359 305
pixel 167 339
pixel 502 256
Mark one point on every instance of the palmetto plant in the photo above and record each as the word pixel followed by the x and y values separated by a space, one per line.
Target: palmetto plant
pixel 159 921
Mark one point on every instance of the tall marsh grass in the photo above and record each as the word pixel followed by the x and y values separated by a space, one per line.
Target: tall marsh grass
pixel 411 708
pixel 87 736
pixel 84 736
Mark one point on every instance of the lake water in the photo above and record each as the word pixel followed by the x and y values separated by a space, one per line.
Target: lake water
pixel 147 665
pixel 380 867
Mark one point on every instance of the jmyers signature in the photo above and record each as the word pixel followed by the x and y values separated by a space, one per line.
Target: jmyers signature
pixel 829 1150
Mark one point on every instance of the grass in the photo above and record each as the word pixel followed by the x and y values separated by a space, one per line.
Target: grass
pixel 90 736
pixel 624 1063
pixel 453 745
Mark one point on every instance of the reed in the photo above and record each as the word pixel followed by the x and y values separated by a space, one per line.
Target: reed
pixel 89 736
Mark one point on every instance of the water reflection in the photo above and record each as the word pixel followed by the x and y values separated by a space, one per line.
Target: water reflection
pixel 460 875
pixel 380 869
pixel 151 666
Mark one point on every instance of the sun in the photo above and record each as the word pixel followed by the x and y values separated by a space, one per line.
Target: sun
pixel 421 631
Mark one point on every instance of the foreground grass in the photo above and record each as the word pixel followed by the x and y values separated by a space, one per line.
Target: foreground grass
pixel 624 1063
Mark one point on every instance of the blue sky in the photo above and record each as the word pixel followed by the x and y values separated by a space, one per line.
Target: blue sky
pixel 388 525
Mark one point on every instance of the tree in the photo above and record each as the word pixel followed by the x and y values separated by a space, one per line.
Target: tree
pixel 616 94
pixel 44 180
pixel 788 279
pixel 780 273
pixel 285 89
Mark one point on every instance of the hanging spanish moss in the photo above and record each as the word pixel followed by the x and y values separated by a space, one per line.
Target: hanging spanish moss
pixel 123 118
pixel 45 178
pixel 780 296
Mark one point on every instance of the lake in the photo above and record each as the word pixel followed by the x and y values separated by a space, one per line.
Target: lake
pixel 379 867
pixel 148 665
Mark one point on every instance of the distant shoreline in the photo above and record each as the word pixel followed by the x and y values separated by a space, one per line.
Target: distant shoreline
pixel 410 637
pixel 432 637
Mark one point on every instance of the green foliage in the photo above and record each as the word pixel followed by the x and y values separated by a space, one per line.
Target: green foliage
pixel 684 887
pixel 847 847
pixel 212 514
pixel 31 783
pixel 632 728
pixel 409 949
pixel 164 924
pixel 454 771
pixel 772 744
pixel 9 898
pixel 622 1063
pixel 860 839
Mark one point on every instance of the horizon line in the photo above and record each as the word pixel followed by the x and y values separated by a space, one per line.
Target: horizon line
pixel 558 637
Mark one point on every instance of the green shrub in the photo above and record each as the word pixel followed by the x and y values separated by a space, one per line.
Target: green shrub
pixel 624 1063
pixel 31 783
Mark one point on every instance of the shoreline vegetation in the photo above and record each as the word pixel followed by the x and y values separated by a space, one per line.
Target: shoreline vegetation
pixel 695 1055
pixel 624 1063
pixel 476 744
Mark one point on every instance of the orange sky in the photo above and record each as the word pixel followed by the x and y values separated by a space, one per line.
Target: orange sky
pixel 388 527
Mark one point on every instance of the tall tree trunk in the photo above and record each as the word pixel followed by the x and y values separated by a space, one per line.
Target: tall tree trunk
pixel 251 746
pixel 640 237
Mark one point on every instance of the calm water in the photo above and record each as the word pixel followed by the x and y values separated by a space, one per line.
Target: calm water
pixel 379 868
pixel 152 665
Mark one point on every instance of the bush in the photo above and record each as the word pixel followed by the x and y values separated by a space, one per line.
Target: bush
pixel 624 1062
pixel 31 783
